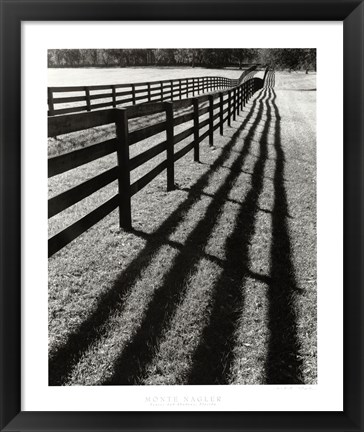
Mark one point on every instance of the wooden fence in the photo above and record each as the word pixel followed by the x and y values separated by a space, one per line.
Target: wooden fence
pixel 88 98
pixel 219 108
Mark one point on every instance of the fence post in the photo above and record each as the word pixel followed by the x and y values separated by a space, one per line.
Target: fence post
pixel 88 101
pixel 229 108
pixel 221 113
pixel 180 89
pixel 133 93
pixel 196 131
pixel 50 102
pixel 241 97
pixel 193 86
pixel 211 120
pixel 234 107
pixel 113 96
pixel 171 82
pixel 162 96
pixel 149 94
pixel 170 145
pixel 122 148
pixel 237 101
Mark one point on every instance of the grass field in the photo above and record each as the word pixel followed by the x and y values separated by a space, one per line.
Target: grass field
pixel 216 284
pixel 108 76
pixel 95 76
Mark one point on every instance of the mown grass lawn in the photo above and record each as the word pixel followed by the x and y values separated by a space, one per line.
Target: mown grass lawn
pixel 216 283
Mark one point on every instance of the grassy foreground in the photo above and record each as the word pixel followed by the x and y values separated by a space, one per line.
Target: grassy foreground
pixel 216 284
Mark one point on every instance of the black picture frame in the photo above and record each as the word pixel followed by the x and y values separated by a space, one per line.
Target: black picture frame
pixel 13 12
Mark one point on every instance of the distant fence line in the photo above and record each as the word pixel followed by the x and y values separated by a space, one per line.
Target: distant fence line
pixel 134 93
pixel 221 107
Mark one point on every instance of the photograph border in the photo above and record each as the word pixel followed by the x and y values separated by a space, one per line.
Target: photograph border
pixel 13 12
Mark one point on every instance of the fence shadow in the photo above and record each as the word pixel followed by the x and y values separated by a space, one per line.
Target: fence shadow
pixel 64 358
pixel 130 367
pixel 213 357
pixel 282 365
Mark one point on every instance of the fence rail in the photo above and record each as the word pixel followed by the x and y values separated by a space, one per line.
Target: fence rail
pixel 227 103
pixel 88 98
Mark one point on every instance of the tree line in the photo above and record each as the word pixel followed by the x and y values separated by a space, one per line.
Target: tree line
pixel 291 59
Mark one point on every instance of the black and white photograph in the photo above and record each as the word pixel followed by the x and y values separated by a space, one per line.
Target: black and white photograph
pixel 182 210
